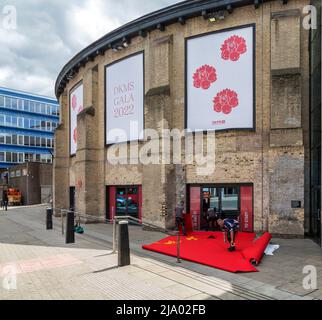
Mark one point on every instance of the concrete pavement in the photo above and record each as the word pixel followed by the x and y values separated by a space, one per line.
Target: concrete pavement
pixel 46 268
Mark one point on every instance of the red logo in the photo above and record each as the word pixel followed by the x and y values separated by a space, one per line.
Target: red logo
pixel 75 135
pixel 233 47
pixel 204 77
pixel 74 101
pixel 225 100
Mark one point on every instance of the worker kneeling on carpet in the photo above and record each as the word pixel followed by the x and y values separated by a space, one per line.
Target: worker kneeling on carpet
pixel 229 226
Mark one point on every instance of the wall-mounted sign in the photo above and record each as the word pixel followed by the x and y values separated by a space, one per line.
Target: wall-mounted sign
pixel 220 80
pixel 75 106
pixel 124 108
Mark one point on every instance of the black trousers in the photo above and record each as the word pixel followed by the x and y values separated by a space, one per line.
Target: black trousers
pixel 180 221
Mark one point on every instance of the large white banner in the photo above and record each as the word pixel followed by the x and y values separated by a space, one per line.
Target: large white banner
pixel 75 106
pixel 124 113
pixel 220 80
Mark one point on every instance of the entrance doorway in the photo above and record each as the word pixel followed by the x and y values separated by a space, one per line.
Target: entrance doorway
pixel 232 201
pixel 124 201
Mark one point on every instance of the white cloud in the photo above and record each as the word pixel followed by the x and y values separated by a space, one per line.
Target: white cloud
pixel 51 32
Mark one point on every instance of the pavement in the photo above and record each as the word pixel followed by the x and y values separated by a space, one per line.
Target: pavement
pixel 35 263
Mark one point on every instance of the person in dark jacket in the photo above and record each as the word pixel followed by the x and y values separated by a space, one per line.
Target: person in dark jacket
pixel 5 199
pixel 230 227
pixel 179 213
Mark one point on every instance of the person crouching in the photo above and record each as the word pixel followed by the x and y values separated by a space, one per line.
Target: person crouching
pixel 230 227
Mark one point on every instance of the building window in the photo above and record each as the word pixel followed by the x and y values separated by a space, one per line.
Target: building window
pixel 20 157
pixel 14 139
pixel 1 120
pixel 2 138
pixel 7 103
pixel 32 141
pixel 26 140
pixel 1 101
pixel 20 139
pixel 18 173
pixel 2 156
pixel 14 103
pixel 8 139
pixel 8 156
pixel 14 157
pixel 12 174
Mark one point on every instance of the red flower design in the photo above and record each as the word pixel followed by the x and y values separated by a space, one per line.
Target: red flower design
pixel 75 135
pixel 74 101
pixel 233 47
pixel 225 100
pixel 204 77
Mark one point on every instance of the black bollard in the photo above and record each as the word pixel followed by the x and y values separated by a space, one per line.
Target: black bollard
pixel 123 244
pixel 49 218
pixel 70 227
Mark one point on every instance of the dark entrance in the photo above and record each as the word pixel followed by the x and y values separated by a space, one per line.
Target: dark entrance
pixel 313 218
pixel 234 201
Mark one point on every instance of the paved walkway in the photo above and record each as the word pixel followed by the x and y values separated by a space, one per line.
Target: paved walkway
pixel 46 268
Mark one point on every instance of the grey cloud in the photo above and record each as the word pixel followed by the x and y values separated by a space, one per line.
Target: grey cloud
pixel 50 32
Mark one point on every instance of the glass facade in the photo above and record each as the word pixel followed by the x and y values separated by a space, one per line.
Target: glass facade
pixel 27 125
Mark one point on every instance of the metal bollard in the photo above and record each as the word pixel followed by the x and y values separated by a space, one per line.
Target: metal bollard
pixel 123 244
pixel 178 247
pixel 49 218
pixel 70 224
pixel 114 235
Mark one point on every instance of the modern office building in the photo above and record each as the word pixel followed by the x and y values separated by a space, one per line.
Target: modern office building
pixel 236 70
pixel 27 125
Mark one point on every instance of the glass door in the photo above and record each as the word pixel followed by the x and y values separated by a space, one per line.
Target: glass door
pixel 127 201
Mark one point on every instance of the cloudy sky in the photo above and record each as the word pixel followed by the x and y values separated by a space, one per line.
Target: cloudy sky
pixel 50 32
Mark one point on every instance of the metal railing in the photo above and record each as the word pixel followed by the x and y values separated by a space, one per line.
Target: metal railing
pixel 140 222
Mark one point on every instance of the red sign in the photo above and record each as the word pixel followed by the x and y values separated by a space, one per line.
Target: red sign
pixel 246 209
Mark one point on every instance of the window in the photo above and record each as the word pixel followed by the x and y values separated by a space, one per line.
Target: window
pixel 43 108
pixel 7 103
pixel 20 122
pixel 32 124
pixel 26 105
pixel 38 157
pixel 1 101
pixel 12 174
pixel 38 125
pixel 32 106
pixel 32 141
pixel 38 107
pixel 20 157
pixel 8 121
pixel 18 173
pixel 48 126
pixel 38 141
pixel 26 142
pixel 1 120
pixel 43 142
pixel 14 157
pixel 8 139
pixel 43 125
pixel 26 124
pixel 20 139
pixel 14 121
pixel 48 142
pixel 14 103
pixel 2 156
pixel 14 139
pixel 2 135
pixel 8 156
pixel 20 104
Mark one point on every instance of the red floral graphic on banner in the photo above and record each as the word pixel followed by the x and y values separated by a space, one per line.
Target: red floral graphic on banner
pixel 225 100
pixel 204 77
pixel 233 47
pixel 75 135
pixel 74 101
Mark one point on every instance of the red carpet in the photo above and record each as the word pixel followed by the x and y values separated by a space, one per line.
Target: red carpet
pixel 208 248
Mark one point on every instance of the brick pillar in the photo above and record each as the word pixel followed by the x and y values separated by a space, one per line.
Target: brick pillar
pixel 61 159
pixel 86 164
